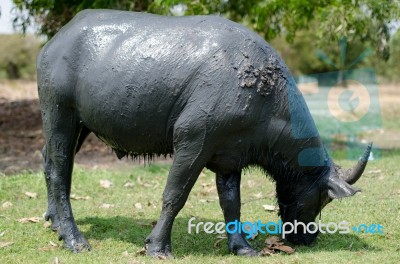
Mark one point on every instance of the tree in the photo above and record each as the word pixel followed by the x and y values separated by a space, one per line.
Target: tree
pixel 365 21
pixel 51 15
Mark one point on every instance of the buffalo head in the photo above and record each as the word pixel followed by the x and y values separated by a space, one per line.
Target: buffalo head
pixel 311 195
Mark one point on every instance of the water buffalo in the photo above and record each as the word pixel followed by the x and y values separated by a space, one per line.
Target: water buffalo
pixel 204 88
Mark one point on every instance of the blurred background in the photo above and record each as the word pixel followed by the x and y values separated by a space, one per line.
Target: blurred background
pixel 325 36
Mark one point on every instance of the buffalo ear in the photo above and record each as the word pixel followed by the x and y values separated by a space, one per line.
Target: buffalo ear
pixel 338 188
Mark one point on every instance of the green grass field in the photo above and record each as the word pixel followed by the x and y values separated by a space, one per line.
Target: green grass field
pixel 117 219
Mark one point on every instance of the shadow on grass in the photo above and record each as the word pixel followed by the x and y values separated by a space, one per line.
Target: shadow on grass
pixel 336 242
pixel 135 231
pixel 117 228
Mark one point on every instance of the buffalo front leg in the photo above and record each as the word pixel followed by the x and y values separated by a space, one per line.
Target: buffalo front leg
pixel 191 152
pixel 61 132
pixel 181 179
pixel 228 186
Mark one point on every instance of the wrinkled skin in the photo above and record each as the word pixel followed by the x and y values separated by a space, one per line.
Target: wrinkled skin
pixel 206 89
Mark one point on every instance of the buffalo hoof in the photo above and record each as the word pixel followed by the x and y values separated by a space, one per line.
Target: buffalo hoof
pixel 247 252
pixel 157 251
pixel 77 246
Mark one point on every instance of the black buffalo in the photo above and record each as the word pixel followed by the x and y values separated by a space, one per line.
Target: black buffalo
pixel 204 88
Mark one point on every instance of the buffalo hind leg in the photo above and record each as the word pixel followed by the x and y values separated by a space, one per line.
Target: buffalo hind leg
pixel 228 186
pixel 82 136
pixel 51 213
pixel 62 131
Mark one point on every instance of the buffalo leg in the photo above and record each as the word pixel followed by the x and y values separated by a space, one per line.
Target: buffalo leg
pixel 191 154
pixel 180 181
pixel 228 186
pixel 82 136
pixel 51 213
pixel 61 132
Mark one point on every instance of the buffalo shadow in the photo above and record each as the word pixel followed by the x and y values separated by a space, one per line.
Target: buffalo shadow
pixel 135 230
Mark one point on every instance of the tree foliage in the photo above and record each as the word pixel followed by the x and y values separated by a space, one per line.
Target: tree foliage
pixel 366 21
pixel 51 15
pixel 297 28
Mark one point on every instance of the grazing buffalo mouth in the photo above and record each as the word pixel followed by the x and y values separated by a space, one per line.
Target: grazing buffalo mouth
pixel 308 198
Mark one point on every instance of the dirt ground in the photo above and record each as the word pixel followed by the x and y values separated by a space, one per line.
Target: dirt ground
pixel 21 137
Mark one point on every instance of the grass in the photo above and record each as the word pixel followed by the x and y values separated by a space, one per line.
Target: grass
pixel 117 233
